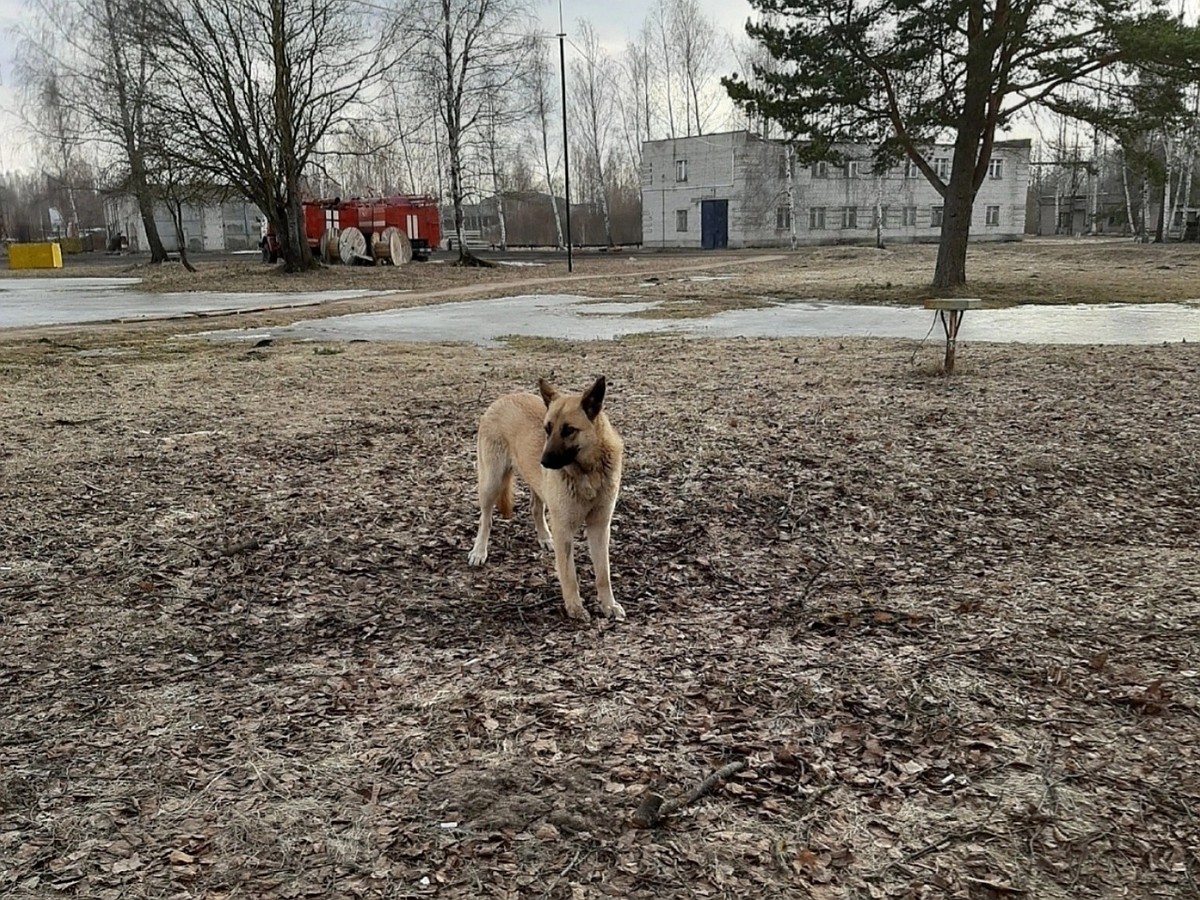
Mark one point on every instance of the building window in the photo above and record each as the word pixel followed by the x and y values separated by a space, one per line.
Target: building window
pixel 816 218
pixel 993 215
pixel 850 217
pixel 911 170
pixel 681 219
pixel 783 218
pixel 852 170
pixel 681 172
pixel 820 169
pixel 995 168
pixel 935 216
pixel 941 167
pixel 910 215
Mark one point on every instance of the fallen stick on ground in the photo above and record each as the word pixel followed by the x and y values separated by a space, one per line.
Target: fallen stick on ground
pixel 654 808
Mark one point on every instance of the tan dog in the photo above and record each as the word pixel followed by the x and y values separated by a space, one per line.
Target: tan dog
pixel 570 456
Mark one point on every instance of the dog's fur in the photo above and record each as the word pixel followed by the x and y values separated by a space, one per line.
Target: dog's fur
pixel 570 456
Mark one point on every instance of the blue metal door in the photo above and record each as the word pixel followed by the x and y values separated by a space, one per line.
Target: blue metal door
pixel 714 224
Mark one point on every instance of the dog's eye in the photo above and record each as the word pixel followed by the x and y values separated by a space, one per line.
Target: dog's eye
pixel 549 428
pixel 567 431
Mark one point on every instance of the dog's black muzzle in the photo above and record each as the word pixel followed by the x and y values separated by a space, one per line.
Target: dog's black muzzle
pixel 559 459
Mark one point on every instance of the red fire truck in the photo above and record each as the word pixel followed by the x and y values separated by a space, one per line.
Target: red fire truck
pixel 367 229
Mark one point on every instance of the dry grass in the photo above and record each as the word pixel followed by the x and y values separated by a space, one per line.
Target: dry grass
pixel 951 625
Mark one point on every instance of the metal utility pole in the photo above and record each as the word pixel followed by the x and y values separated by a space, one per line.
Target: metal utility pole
pixel 562 64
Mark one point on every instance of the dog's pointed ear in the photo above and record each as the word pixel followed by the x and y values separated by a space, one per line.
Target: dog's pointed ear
pixel 548 391
pixel 593 400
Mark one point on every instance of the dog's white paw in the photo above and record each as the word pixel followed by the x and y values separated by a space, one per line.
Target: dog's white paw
pixel 578 614
pixel 477 557
pixel 614 612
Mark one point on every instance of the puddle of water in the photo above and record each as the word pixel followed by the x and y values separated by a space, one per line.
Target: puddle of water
pixel 31 302
pixel 580 318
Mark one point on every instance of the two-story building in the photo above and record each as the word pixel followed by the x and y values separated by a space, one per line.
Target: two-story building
pixel 736 189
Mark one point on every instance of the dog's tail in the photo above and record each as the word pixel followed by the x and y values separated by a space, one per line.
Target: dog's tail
pixel 504 501
pixel 495 476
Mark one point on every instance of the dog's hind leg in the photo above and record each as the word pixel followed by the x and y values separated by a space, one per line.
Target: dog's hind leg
pixel 539 523
pixel 495 490
pixel 598 534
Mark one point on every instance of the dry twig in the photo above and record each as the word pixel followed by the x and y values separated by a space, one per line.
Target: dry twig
pixel 654 808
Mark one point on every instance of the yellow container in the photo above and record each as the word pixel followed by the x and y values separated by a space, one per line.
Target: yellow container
pixel 35 256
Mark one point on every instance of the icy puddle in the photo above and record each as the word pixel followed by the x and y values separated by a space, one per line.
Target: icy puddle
pixel 484 322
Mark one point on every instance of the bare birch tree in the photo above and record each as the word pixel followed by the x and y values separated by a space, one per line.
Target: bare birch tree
pixel 540 76
pixel 594 106
pixel 696 51
pixel 470 49
pixel 659 24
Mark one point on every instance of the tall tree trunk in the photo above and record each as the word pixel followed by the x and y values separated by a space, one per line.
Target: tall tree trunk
pixel 950 271
pixel 1144 226
pixel 297 256
pixel 498 187
pixel 145 201
pixel 1160 225
pixel 790 158
pixel 558 229
pixel 1129 224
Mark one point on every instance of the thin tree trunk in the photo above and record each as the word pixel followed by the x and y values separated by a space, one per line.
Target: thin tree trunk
pixel 1143 226
pixel 176 208
pixel 558 229
pixel 1129 228
pixel 791 195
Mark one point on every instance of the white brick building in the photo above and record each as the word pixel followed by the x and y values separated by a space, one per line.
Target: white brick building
pixel 732 189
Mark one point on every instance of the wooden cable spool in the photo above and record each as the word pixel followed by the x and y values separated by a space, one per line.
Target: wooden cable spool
pixel 399 247
pixel 351 245
pixel 329 245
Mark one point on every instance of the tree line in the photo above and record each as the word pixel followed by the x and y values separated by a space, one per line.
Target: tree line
pixel 275 100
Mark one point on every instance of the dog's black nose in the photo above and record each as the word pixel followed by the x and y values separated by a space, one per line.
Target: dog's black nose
pixel 559 459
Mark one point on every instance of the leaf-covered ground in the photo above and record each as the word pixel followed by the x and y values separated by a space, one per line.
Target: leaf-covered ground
pixel 952 626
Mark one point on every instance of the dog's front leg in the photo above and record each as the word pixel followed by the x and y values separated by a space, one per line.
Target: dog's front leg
pixel 564 563
pixel 598 534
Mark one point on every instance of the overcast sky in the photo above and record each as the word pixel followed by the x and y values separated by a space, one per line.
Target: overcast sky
pixel 614 20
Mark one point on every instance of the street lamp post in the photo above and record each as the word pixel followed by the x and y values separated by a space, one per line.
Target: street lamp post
pixel 562 64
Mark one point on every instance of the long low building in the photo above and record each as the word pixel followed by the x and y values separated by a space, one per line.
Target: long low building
pixel 735 189
pixel 230 225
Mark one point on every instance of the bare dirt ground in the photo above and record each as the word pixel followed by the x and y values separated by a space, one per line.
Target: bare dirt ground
pixel 951 626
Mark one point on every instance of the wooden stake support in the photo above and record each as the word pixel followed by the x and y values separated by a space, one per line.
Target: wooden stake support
pixel 950 311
